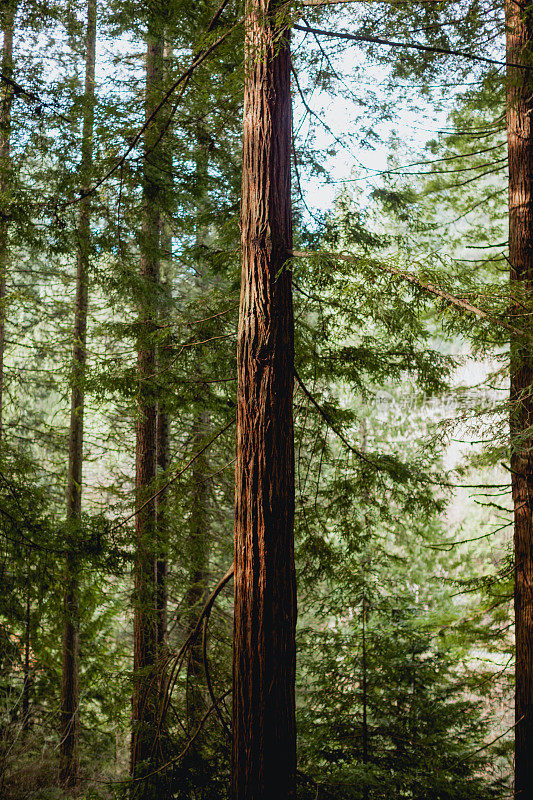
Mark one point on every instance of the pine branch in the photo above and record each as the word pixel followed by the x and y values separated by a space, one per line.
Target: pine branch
pixel 182 81
pixel 427 287
pixel 20 90
pixel 359 37
pixel 176 475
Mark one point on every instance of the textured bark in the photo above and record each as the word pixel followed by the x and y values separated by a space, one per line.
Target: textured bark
pixel 520 151
pixel 69 733
pixel 264 735
pixel 6 100
pixel 145 698
pixel 163 463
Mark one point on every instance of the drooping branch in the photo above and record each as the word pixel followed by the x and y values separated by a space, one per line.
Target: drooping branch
pixel 430 288
pixel 178 657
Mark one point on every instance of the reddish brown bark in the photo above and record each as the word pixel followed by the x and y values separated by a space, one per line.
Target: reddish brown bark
pixel 264 735
pixel 145 697
pixel 6 100
pixel 69 732
pixel 163 463
pixel 520 151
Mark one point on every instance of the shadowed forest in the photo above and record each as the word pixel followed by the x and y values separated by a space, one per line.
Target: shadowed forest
pixel 266 399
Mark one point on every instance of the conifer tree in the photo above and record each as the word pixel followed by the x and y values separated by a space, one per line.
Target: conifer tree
pixel 144 746
pixel 519 26
pixel 70 694
pixel 264 732
pixel 6 99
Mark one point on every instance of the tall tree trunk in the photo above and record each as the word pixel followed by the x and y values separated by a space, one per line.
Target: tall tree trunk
pixel 264 730
pixel 6 99
pixel 69 733
pixel 520 151
pixel 519 22
pixel 163 419
pixel 198 545
pixel 163 463
pixel 144 741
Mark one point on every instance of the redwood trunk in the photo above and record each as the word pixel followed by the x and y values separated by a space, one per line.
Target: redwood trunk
pixel 264 731
pixel 145 698
pixel 520 150
pixel 69 733
pixel 163 463
pixel 5 166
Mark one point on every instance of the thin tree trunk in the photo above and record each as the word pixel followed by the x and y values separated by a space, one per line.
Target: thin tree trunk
pixel 520 151
pixel 264 730
pixel 69 733
pixel 145 698
pixel 6 100
pixel 365 696
pixel 163 420
pixel 163 463
pixel 27 675
pixel 198 545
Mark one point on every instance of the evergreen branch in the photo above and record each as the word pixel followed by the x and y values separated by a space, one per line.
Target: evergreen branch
pixel 399 170
pixel 326 127
pixel 328 419
pixel 172 760
pixel 182 79
pixel 208 676
pixel 373 464
pixel 20 90
pixel 176 476
pixel 356 37
pixel 448 546
pixel 430 288
pixel 479 750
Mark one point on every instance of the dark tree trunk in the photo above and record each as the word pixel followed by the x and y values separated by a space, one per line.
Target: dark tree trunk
pixel 520 151
pixel 146 684
pixel 163 420
pixel 264 731
pixel 364 686
pixel 198 545
pixel 163 463
pixel 27 674
pixel 6 100
pixel 69 734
